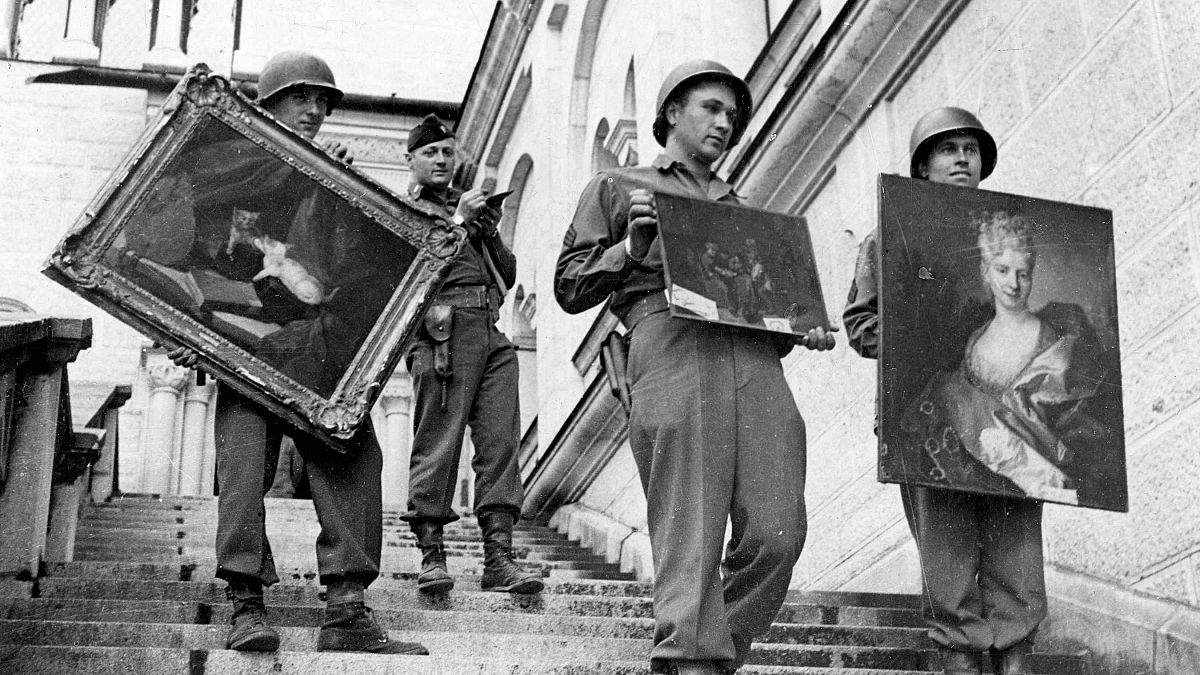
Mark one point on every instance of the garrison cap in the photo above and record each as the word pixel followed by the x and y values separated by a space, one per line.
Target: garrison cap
pixel 430 130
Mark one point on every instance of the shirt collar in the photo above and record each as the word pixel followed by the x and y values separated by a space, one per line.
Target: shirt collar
pixel 717 188
pixel 418 191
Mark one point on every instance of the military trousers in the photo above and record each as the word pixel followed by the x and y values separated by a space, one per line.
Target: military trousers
pixel 346 494
pixel 481 393
pixel 983 579
pixel 717 439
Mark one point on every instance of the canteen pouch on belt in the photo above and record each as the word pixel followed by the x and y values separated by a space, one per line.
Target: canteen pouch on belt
pixel 614 359
pixel 439 321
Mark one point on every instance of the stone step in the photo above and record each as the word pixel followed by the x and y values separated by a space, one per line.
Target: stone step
pixel 904 607
pixel 304 556
pixel 526 648
pixel 304 523
pixel 466 597
pixel 28 659
pixel 142 584
pixel 435 617
pixel 541 549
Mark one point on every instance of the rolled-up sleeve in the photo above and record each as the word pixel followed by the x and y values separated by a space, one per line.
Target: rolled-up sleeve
pixel 861 316
pixel 593 262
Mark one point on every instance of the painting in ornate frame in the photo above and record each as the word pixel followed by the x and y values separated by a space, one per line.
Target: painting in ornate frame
pixel 739 266
pixel 297 280
pixel 1000 368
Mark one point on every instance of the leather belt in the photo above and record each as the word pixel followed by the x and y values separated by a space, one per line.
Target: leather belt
pixel 465 297
pixel 645 306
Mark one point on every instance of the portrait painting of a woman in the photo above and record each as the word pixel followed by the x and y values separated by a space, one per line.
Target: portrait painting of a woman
pixel 1019 406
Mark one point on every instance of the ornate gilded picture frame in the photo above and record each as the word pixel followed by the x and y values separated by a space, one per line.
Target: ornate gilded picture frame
pixel 1000 368
pixel 296 279
pixel 739 266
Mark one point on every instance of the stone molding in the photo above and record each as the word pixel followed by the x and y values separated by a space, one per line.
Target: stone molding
pixel 861 60
pixel 1127 632
pixel 596 428
pixel 617 542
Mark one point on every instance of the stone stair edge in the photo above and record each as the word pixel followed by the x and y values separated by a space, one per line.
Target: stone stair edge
pixel 403 579
pixel 531 648
pixel 285 661
pixel 215 606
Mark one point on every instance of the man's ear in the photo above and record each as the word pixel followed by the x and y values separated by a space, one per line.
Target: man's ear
pixel 671 113
pixel 923 170
pixel 408 158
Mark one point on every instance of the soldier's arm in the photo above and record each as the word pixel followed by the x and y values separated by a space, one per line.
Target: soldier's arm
pixel 594 260
pixel 861 316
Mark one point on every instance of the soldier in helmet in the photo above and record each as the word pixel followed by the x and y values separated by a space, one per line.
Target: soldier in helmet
pixel 464 372
pixel 298 89
pixel 981 556
pixel 713 426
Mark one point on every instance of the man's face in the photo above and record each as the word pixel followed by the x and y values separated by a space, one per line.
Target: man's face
pixel 703 120
pixel 954 159
pixel 432 164
pixel 302 109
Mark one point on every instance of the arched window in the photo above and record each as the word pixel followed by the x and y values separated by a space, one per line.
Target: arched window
pixel 512 205
pixel 602 157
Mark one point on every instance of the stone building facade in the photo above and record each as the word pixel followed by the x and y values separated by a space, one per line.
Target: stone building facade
pixel 1091 102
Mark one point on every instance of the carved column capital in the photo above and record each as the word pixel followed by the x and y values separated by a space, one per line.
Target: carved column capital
pixel 166 376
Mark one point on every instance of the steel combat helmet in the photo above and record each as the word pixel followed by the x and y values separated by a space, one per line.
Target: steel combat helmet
pixel 295 68
pixel 941 121
pixel 688 73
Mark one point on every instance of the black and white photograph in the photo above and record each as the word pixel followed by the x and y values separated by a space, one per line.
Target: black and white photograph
pixel 598 337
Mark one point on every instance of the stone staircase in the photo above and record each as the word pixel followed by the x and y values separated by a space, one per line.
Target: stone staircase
pixel 140 598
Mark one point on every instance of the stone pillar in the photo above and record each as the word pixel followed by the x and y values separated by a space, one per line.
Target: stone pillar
pixel 8 27
pixel 46 346
pixel 77 46
pixel 396 439
pixel 166 54
pixel 192 452
pixel 103 479
pixel 158 439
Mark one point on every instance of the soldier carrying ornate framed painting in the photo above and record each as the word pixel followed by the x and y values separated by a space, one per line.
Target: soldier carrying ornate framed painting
pixel 295 279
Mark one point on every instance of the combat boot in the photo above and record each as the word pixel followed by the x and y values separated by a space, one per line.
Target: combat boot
pixel 1014 660
pixel 350 627
pixel 433 577
pixel 249 631
pixel 955 662
pixel 500 572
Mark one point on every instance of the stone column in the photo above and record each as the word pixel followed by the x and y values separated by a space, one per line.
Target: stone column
pixel 158 439
pixel 78 46
pixel 396 439
pixel 103 480
pixel 165 53
pixel 45 346
pixel 8 27
pixel 192 455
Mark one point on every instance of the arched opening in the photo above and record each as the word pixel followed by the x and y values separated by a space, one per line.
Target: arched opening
pixel 602 157
pixel 512 205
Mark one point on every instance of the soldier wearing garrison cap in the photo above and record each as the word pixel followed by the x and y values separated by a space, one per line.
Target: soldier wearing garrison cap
pixel 464 374
pixel 713 426
pixel 981 556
